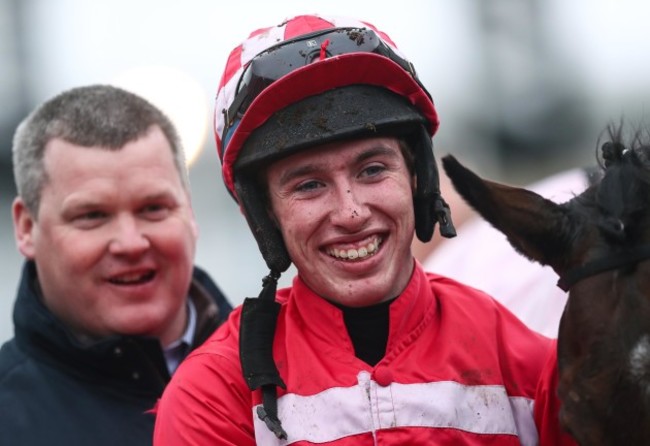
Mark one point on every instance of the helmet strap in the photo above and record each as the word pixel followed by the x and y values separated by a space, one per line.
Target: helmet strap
pixel 443 215
pixel 429 206
pixel 256 333
pixel 268 236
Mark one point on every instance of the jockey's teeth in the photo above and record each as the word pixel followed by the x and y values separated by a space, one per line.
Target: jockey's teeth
pixel 352 254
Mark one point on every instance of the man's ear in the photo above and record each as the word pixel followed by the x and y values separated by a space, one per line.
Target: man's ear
pixel 24 224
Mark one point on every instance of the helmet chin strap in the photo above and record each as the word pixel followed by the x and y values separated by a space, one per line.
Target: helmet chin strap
pixel 268 236
pixel 256 333
pixel 429 206
pixel 259 315
pixel 443 215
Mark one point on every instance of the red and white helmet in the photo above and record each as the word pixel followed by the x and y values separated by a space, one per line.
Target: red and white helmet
pixel 309 81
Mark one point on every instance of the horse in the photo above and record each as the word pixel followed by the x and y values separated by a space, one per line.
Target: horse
pixel 598 243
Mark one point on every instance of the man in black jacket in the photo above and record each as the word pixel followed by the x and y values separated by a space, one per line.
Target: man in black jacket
pixel 110 300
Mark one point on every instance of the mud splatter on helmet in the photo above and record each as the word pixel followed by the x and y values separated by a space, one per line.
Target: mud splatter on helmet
pixel 309 81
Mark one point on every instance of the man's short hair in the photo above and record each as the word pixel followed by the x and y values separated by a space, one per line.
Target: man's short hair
pixel 90 116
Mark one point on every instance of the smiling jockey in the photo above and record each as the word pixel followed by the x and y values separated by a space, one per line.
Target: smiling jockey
pixel 324 133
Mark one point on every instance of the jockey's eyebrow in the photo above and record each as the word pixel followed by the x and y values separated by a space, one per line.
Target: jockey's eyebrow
pixel 315 166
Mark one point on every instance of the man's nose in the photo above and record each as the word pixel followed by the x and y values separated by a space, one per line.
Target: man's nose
pixel 128 237
pixel 350 209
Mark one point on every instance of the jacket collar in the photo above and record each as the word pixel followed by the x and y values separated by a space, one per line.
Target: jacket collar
pixel 133 362
pixel 414 307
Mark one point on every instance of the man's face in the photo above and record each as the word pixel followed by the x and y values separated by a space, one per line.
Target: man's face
pixel 346 214
pixel 115 238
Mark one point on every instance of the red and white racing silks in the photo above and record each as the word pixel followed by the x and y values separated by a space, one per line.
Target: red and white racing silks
pixel 459 369
pixel 378 406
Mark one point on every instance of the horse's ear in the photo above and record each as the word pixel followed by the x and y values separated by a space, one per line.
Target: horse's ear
pixel 536 227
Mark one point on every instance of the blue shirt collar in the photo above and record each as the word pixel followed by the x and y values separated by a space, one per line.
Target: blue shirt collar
pixel 177 350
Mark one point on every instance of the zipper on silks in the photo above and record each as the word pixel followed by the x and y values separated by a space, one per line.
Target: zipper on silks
pixel 369 387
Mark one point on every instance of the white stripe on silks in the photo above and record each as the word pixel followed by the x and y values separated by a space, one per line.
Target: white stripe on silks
pixel 368 407
pixel 522 410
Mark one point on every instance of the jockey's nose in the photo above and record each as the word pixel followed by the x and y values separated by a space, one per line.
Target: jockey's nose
pixel 349 209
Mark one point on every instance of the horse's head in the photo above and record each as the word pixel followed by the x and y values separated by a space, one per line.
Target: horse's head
pixel 599 245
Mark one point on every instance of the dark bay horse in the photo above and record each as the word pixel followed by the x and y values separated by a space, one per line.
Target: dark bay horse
pixel 599 245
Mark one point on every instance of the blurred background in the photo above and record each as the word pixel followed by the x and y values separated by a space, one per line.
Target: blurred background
pixel 524 88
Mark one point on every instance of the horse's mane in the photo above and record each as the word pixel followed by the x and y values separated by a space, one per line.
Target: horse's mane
pixel 623 193
pixel 631 141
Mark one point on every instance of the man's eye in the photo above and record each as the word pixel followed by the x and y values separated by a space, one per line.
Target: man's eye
pixel 373 170
pixel 308 186
pixel 92 215
pixel 152 208
pixel 89 220
pixel 156 211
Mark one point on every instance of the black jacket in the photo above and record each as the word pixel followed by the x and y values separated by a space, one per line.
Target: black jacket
pixel 55 391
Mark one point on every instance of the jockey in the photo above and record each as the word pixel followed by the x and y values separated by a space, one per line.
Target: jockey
pixel 325 132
